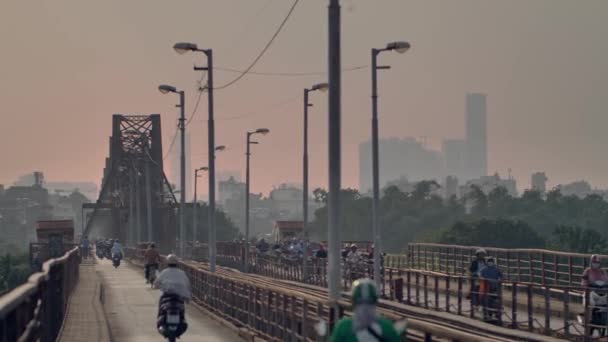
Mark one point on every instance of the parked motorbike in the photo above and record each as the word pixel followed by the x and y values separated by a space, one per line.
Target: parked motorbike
pixel 171 322
pixel 598 306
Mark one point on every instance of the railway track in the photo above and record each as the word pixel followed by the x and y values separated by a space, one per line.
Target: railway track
pixel 421 322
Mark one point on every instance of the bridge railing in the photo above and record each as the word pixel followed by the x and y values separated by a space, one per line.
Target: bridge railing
pixel 549 309
pixel 537 266
pixel 34 311
pixel 277 313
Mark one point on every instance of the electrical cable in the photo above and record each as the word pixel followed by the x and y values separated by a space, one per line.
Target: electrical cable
pixel 261 54
pixel 290 74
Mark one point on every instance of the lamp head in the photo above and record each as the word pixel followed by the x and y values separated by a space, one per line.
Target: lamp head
pixel 182 48
pixel 220 148
pixel 203 168
pixel 320 87
pixel 163 88
pixel 263 131
pixel 400 47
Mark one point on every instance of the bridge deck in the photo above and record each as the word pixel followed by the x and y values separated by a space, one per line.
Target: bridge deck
pixel 84 318
pixel 130 307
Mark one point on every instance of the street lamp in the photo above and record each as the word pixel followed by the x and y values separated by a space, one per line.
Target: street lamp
pixel 182 48
pixel 165 89
pixel 195 204
pixel 334 104
pixel 399 47
pixel 323 88
pixel 262 131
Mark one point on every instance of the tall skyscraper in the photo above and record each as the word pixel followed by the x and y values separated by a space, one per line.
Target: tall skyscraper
pixel 476 136
pixel 455 154
pixel 399 158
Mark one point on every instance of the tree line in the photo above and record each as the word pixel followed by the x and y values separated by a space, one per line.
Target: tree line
pixel 497 219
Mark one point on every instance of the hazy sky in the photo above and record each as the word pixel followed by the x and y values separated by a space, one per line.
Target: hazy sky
pixel 68 65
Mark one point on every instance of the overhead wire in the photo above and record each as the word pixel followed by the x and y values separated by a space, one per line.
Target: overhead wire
pixel 261 54
pixel 242 74
pixel 201 90
pixel 290 74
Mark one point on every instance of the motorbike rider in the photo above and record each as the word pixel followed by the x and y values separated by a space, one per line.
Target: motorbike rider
pixel 173 282
pixel 151 260
pixel 116 249
pixel 354 262
pixel 365 324
pixel 594 272
pixel 353 255
pixel 490 277
pixel 477 265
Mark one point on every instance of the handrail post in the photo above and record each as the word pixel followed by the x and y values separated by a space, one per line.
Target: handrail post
pixel 459 312
pixel 514 305
pixel 566 300
pixel 547 311
pixel 447 293
pixel 530 309
pixel 587 327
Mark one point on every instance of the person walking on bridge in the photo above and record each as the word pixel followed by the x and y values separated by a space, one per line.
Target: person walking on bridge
pixel 365 325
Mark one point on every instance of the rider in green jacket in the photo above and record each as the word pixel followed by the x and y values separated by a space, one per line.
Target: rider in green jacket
pixel 365 325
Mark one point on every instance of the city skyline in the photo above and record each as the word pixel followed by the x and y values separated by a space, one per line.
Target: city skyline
pixel 545 113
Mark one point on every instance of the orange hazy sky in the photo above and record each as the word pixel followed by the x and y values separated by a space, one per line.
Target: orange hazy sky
pixel 67 65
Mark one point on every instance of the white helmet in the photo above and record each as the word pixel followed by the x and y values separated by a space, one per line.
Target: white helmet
pixel 171 259
pixel 480 251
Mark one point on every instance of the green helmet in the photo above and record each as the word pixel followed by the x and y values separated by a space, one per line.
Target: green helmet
pixel 364 292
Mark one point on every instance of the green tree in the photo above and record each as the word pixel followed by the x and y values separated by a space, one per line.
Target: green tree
pixel 493 233
pixel 578 240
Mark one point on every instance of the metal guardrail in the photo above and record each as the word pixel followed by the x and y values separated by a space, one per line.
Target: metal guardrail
pixel 547 309
pixel 34 311
pixel 287 312
pixel 537 266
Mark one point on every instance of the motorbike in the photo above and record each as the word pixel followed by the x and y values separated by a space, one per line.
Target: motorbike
pixel 116 260
pixel 99 251
pixel 171 322
pixel 152 272
pixel 598 306
pixel 489 296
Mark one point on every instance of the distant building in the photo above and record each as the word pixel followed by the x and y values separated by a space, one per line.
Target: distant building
pixel 231 189
pixel 455 156
pixel 539 182
pixel 88 189
pixel 403 184
pixel 489 183
pixel 476 134
pixel 287 201
pixel 579 188
pixel 284 230
pixel 450 187
pixel 399 158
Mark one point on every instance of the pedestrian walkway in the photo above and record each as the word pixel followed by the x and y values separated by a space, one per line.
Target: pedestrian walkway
pixel 85 320
pixel 131 308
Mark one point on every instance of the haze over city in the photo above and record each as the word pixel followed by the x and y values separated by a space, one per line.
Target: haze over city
pixel 542 64
pixel 314 170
